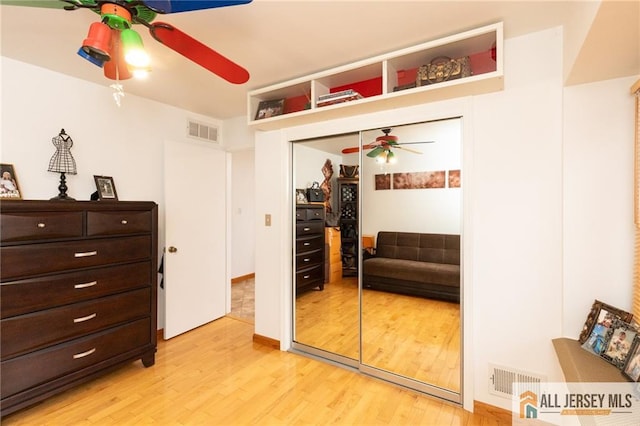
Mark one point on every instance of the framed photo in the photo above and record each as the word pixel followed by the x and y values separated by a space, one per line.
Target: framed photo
pixel 618 342
pixel 268 109
pixel 106 188
pixel 604 314
pixel 301 196
pixel 9 189
pixel 631 369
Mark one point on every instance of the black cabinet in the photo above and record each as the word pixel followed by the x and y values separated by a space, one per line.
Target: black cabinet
pixel 348 208
pixel 310 247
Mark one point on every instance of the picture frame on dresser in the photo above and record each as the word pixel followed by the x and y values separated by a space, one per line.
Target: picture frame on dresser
pixel 106 188
pixel 301 196
pixel 9 188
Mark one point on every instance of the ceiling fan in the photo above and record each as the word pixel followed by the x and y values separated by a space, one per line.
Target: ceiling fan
pixel 113 45
pixel 381 147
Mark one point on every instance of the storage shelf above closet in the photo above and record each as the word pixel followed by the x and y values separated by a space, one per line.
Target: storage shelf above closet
pixel 382 82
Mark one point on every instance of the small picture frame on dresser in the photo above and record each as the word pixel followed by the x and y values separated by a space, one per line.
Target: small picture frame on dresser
pixel 9 189
pixel 301 196
pixel 106 188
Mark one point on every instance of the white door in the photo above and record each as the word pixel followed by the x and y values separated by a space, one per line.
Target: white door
pixel 195 278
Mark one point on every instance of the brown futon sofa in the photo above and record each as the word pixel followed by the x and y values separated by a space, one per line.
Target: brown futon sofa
pixel 426 265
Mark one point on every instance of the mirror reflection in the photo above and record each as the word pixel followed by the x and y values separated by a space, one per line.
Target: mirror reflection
pixel 411 219
pixel 326 311
pixel 385 290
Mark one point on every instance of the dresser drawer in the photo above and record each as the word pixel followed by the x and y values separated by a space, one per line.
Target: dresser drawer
pixel 39 367
pixel 35 259
pixel 118 223
pixel 30 332
pixel 310 276
pixel 309 214
pixel 309 243
pixel 36 294
pixel 308 228
pixel 40 226
pixel 308 259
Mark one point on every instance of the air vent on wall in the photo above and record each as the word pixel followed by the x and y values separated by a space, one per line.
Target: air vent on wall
pixel 501 380
pixel 204 132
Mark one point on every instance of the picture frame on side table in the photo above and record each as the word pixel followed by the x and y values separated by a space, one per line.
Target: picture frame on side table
pixel 618 343
pixel 601 312
pixel 268 109
pixel 106 188
pixel 631 368
pixel 9 188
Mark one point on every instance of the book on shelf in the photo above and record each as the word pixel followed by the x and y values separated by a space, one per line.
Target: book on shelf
pixel 338 97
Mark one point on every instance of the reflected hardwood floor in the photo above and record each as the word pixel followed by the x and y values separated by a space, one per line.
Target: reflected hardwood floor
pixel 243 301
pixel 411 336
pixel 216 375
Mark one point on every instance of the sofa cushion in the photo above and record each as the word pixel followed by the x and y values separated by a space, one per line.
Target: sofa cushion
pixel 411 270
pixel 436 248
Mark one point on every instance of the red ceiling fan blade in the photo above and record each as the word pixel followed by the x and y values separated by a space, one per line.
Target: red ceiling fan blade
pixel 199 53
pixel 353 149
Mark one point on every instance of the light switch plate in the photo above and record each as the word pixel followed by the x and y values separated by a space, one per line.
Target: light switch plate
pixel 267 220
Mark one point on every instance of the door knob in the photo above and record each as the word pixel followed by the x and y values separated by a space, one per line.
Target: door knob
pixel 172 249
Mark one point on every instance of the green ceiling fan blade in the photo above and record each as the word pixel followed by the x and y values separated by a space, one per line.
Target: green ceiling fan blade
pixel 375 152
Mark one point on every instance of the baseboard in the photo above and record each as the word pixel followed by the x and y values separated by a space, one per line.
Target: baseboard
pixel 266 341
pixel 242 278
pixel 500 415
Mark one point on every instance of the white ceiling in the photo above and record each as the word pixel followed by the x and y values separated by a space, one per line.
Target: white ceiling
pixel 280 40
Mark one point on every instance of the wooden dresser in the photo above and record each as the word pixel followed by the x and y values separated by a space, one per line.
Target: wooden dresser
pixel 77 293
pixel 309 247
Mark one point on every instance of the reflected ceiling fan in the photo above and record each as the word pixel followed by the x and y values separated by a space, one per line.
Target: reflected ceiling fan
pixel 113 45
pixel 381 148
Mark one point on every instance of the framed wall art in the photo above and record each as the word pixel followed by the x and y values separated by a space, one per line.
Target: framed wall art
pixel 9 189
pixel 106 188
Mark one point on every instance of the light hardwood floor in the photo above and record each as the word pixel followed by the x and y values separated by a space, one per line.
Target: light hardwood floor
pixel 216 375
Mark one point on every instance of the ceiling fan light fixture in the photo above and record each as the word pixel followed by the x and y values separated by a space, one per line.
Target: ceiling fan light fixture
pixel 391 158
pixel 134 53
pixel 140 73
pixel 96 45
pixel 95 61
pixel 115 16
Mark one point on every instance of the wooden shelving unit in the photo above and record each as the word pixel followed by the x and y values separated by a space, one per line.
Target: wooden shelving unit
pixel 377 79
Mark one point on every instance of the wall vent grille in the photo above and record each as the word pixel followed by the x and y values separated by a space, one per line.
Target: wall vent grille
pixel 204 132
pixel 501 380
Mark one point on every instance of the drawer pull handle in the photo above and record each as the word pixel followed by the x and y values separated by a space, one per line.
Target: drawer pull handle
pixel 83 319
pixel 83 354
pixel 86 254
pixel 306 229
pixel 124 221
pixel 306 260
pixel 41 225
pixel 306 276
pixel 306 244
pixel 85 285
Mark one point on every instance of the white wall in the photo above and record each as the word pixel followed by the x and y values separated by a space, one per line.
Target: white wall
pixel 526 230
pixel 598 198
pixel 433 210
pixel 242 213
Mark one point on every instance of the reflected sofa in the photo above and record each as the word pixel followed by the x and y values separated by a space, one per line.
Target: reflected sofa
pixel 417 264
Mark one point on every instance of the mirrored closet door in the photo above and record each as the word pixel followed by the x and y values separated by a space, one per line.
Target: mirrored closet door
pixel 393 230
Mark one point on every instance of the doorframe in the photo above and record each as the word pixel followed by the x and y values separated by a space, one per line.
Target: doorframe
pixel 459 107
